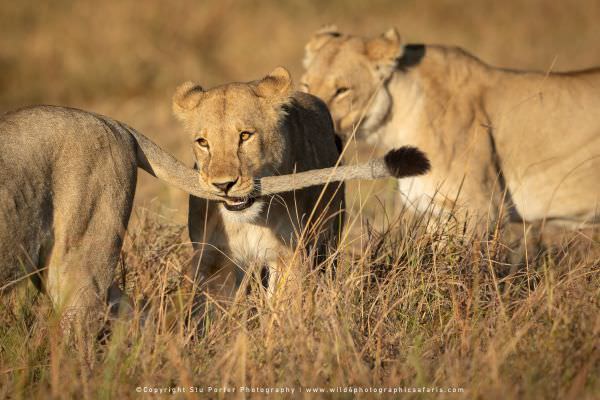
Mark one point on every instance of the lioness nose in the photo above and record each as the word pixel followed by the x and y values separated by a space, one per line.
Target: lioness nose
pixel 224 186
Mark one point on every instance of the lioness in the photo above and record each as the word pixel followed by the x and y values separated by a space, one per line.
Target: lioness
pixel 241 131
pixel 524 142
pixel 245 130
pixel 67 181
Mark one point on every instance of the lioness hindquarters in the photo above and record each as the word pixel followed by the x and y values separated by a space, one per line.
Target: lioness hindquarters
pixel 66 189
pixel 243 131
pixel 88 237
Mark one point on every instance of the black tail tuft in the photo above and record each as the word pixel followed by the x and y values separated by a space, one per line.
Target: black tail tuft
pixel 339 143
pixel 406 161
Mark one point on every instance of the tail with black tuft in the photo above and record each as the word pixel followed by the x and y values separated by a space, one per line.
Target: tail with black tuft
pixel 406 161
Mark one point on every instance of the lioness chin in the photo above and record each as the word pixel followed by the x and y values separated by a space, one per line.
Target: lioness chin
pixel 519 144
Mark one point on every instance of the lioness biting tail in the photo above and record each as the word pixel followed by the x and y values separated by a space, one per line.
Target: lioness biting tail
pixel 519 143
pixel 243 131
pixel 67 181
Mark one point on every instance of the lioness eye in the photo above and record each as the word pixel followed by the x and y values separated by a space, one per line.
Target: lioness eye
pixel 341 90
pixel 202 142
pixel 245 135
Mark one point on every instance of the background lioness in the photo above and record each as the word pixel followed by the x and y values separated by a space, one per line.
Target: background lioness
pixel 524 142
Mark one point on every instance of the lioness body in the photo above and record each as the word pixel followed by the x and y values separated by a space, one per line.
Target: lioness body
pixel 244 131
pixel 67 180
pixel 486 130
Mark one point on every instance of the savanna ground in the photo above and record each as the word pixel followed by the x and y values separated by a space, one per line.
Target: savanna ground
pixel 404 309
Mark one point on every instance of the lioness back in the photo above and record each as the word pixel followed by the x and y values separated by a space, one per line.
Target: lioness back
pixel 244 131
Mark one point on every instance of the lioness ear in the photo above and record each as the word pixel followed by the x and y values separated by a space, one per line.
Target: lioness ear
pixel 330 29
pixel 278 83
pixel 187 96
pixel 385 50
pixel 320 37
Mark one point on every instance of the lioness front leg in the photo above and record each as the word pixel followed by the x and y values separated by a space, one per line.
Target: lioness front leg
pixel 216 275
pixel 274 268
pixel 284 272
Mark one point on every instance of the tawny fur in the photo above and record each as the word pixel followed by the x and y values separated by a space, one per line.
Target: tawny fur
pixel 289 132
pixel 522 144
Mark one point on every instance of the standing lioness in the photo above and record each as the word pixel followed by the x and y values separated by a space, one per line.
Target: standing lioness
pixel 242 131
pixel 526 142
pixel 67 181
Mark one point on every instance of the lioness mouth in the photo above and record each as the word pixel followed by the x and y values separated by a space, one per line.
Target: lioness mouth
pixel 237 204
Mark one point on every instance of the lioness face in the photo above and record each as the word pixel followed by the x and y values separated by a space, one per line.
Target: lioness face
pixel 347 73
pixel 236 136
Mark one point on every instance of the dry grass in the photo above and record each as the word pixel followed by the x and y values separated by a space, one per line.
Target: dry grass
pixel 400 311
pixel 404 312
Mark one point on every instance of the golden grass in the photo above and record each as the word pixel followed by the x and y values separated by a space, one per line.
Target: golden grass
pixel 404 312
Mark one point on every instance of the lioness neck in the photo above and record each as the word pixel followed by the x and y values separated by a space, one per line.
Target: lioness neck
pixel 405 111
pixel 423 91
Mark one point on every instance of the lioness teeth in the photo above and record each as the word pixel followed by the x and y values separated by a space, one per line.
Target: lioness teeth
pixel 236 202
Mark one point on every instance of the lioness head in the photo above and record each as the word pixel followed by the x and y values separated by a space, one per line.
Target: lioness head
pixel 236 135
pixel 346 72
